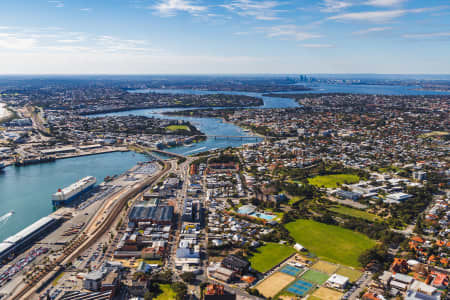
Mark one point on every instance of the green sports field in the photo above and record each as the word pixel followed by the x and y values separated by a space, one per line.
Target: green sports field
pixel 352 274
pixel 330 242
pixel 315 277
pixel 355 213
pixel 269 255
pixel 333 181
pixel 177 127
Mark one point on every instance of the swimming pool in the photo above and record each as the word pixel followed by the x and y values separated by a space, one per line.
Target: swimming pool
pixel 262 216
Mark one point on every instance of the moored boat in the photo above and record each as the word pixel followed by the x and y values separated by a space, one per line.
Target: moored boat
pixel 66 195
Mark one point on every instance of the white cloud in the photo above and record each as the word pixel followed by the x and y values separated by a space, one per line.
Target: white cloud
pixel 72 40
pixel 171 7
pixel 289 31
pixel 260 10
pixel 378 16
pixel 54 39
pixel 427 35
pixel 385 2
pixel 334 5
pixel 242 33
pixel 13 42
pixel 114 44
pixel 86 9
pixel 56 3
pixel 370 30
pixel 317 45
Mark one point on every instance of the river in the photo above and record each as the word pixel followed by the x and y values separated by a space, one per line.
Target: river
pixel 27 190
pixel 214 126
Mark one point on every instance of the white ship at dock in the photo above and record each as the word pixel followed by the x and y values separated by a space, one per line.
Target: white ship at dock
pixel 66 195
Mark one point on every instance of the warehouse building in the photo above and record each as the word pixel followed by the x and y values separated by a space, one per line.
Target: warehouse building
pixel 22 240
pixel 153 214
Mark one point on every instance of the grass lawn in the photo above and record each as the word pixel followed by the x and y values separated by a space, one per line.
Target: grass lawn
pixel 178 127
pixel 352 274
pixel 167 293
pixel 269 255
pixel 295 199
pixel 325 267
pixel 330 242
pixel 332 181
pixel 355 213
pixel 315 277
pixel 151 261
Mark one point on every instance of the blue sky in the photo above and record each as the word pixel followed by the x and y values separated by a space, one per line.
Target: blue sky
pixel 224 36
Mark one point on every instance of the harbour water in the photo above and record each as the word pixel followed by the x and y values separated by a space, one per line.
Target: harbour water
pixel 27 190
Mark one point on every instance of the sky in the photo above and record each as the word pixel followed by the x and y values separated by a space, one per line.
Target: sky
pixel 224 36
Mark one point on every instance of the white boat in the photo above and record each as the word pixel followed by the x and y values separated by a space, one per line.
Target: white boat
pixel 67 194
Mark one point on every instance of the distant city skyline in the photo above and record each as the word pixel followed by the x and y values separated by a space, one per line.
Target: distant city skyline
pixel 224 37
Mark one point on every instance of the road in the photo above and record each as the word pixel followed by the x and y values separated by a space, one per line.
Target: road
pixel 38 122
pixel 182 172
pixel 367 278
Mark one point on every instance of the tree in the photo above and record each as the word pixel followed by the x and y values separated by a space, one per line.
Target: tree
pixel 180 289
pixel 149 295
pixel 188 277
pixel 378 254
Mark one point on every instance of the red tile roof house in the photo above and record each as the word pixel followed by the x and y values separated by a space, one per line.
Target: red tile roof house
pixel 440 281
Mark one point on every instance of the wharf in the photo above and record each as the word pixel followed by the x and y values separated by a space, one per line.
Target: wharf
pixel 93 152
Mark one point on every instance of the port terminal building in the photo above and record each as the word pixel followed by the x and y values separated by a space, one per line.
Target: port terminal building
pixel 22 240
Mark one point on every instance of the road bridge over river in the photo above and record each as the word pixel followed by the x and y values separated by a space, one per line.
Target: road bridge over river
pixel 233 137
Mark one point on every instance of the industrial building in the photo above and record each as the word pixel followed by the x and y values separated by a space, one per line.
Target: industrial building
pixel 236 263
pixel 23 239
pixel 397 197
pixel 348 195
pixel 153 214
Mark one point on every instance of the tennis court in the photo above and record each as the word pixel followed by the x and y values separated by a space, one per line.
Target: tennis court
pixel 315 277
pixel 300 287
pixel 291 270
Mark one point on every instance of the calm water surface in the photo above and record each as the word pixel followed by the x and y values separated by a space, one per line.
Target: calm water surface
pixel 28 190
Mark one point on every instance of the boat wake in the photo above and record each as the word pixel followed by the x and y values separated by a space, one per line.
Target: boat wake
pixel 195 150
pixel 5 217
